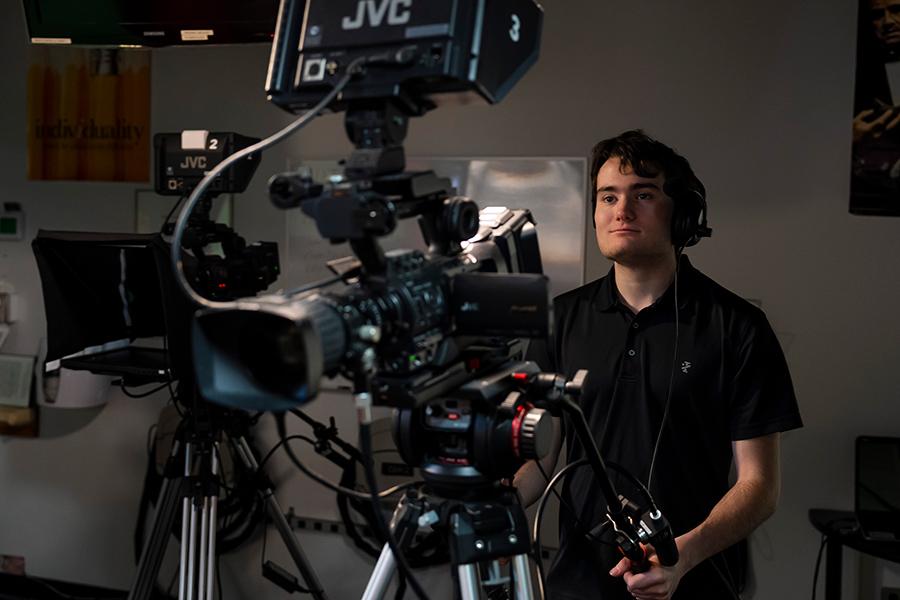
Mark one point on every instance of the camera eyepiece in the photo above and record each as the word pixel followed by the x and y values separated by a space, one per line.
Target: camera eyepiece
pixel 289 190
pixel 460 218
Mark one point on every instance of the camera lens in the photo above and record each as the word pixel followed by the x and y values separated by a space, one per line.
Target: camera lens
pixel 277 354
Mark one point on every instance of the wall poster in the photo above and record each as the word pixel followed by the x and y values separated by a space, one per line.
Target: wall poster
pixel 88 114
pixel 875 175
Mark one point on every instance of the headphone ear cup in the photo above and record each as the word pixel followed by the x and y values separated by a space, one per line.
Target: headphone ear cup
pixel 680 233
pixel 676 224
pixel 686 219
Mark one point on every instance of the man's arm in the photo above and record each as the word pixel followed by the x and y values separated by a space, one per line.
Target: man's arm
pixel 529 480
pixel 749 502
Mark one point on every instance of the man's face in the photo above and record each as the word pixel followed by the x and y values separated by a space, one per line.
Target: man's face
pixel 885 16
pixel 633 215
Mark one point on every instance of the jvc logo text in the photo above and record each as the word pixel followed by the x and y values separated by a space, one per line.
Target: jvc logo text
pixel 374 11
pixel 193 162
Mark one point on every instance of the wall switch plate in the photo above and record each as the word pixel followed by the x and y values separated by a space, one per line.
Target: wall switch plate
pixel 8 308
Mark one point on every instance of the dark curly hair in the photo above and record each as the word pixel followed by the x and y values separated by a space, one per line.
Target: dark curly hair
pixel 647 157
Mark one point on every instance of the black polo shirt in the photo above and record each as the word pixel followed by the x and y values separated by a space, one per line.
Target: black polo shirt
pixel 730 382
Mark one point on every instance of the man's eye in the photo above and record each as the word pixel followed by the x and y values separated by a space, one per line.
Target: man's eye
pixel 607 199
pixel 644 196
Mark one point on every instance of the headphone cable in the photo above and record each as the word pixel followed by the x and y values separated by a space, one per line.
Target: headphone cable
pixel 668 403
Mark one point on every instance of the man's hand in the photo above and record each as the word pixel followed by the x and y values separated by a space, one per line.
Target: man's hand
pixel 657 583
pixel 749 502
pixel 869 124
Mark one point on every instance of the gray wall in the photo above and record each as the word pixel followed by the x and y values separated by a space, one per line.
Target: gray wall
pixel 758 96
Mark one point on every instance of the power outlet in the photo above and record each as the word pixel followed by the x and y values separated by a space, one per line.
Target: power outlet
pixel 890 593
pixel 4 307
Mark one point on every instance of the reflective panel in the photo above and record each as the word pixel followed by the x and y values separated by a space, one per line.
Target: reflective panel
pixel 554 189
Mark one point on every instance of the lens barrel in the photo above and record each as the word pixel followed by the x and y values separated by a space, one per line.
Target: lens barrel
pixel 267 354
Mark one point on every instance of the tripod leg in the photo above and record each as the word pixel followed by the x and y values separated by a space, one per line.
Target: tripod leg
pixel 185 517
pixel 469 582
pixel 192 549
pixel 202 550
pixel 213 519
pixel 284 528
pixel 381 575
pixel 155 546
pixel 522 577
pixel 198 567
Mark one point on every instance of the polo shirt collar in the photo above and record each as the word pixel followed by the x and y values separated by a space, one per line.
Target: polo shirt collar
pixel 608 299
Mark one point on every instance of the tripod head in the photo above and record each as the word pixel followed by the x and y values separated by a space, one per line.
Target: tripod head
pixel 469 439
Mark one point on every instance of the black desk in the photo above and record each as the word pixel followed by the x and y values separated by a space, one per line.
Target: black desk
pixel 841 529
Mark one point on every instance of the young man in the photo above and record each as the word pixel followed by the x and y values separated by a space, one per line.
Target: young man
pixel 685 378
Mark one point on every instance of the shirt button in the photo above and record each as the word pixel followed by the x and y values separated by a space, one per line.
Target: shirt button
pixel 631 353
pixel 634 325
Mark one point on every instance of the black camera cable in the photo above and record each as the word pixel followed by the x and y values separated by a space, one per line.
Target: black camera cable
pixel 539 515
pixel 282 434
pixel 346 456
pixel 567 506
pixel 373 496
pixel 150 392
pixel 365 444
pixel 818 564
pixel 241 509
pixel 359 504
pixel 595 534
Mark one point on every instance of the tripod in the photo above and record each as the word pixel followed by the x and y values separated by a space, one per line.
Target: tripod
pixel 479 533
pixel 191 480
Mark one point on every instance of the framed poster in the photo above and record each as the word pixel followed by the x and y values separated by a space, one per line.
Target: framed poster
pixel 875 171
pixel 88 114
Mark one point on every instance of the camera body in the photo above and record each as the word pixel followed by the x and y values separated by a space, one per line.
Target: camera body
pixel 438 317
pixel 183 159
pixel 430 47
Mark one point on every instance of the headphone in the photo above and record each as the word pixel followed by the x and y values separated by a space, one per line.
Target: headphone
pixel 689 213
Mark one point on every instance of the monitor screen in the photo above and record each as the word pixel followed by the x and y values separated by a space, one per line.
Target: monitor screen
pixel 98 288
pixel 150 22
pixel 878 483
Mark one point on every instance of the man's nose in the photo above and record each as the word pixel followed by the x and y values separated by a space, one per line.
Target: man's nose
pixel 624 209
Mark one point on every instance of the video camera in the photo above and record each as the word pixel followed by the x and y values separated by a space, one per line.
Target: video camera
pixel 182 161
pixel 425 318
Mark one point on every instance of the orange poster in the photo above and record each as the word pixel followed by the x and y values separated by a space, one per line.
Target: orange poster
pixel 89 114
